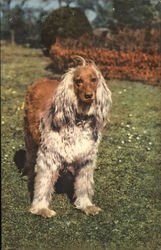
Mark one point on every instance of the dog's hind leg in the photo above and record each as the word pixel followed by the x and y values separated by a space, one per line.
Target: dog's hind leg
pixel 46 175
pixel 29 168
pixel 31 154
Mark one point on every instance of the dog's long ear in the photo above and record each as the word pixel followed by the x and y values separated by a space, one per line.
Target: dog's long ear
pixel 64 101
pixel 103 101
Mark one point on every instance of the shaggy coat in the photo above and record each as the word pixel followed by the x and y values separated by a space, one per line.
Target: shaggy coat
pixel 63 124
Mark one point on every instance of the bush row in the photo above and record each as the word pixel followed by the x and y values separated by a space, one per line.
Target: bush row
pixel 145 39
pixel 132 65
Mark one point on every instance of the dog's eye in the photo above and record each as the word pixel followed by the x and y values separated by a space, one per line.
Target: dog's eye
pixel 94 79
pixel 78 81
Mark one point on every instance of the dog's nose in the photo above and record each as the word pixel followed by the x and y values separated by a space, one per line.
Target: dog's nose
pixel 88 96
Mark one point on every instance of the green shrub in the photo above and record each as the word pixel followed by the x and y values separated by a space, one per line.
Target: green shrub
pixel 63 23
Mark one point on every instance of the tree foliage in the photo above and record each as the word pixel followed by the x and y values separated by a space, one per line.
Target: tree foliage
pixel 87 4
pixel 14 19
pixel 27 22
pixel 104 14
pixel 133 13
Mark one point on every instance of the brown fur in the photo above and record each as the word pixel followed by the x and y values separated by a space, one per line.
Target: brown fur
pixel 38 100
pixel 85 84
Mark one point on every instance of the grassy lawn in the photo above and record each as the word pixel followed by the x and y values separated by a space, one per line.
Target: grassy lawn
pixel 127 178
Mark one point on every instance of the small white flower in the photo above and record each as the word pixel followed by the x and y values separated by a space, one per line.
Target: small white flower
pixel 150 143
pixel 137 138
pixel 120 161
pixel 133 128
pixel 122 123
pixel 13 92
pixel 145 132
pixel 129 140
pixel 119 147
pixel 124 90
pixel 120 92
pixel 128 126
pixel 3 122
pixel 122 142
pixel 130 115
pixel 148 149
pixel 22 106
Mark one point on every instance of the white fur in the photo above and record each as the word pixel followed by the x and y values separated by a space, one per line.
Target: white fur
pixel 84 187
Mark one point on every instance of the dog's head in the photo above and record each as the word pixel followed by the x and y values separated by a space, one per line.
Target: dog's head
pixel 82 90
pixel 85 82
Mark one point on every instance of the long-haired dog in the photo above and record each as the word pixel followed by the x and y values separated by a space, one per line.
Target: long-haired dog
pixel 63 124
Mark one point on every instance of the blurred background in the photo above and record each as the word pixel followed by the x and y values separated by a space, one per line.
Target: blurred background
pixel 106 17
pixel 123 37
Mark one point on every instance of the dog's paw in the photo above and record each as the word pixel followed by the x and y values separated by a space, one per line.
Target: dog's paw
pixel 45 212
pixel 92 210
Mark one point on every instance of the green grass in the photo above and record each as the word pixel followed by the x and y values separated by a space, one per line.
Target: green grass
pixel 127 178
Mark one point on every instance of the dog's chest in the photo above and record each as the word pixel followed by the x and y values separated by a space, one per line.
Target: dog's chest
pixel 79 134
pixel 78 141
pixel 72 143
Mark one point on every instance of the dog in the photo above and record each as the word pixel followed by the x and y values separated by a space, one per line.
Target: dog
pixel 63 122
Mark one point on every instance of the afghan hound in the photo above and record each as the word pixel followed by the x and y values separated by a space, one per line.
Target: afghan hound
pixel 63 122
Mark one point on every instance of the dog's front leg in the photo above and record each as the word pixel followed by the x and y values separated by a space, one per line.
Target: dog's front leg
pixel 46 177
pixel 84 190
